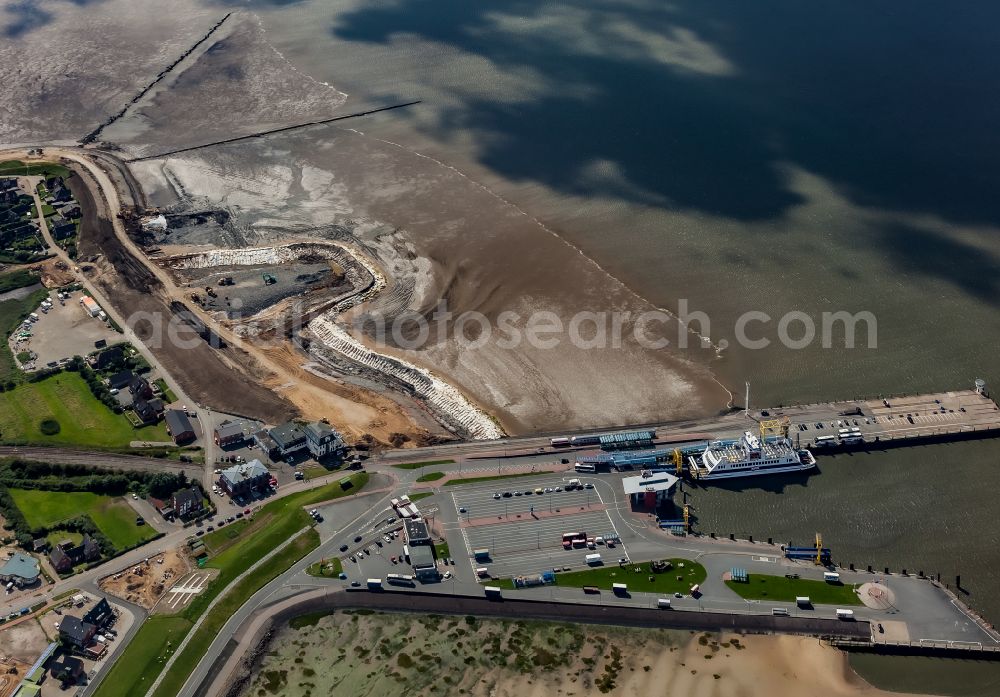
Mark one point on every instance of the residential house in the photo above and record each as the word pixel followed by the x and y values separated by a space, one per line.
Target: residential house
pixel 139 388
pixel 74 632
pixel 66 555
pixel 61 228
pixel 99 613
pixel 229 433
pixel 179 426
pixel 66 669
pixel 245 479
pixel 187 502
pixel 20 569
pixel 120 380
pixel 110 358
pixel 149 411
pixel 321 439
pixel 289 438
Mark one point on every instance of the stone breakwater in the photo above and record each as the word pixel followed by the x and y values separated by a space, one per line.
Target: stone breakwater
pixel 447 403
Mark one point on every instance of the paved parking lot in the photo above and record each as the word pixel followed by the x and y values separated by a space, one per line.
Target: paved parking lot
pixel 478 501
pixel 520 543
pixel 65 331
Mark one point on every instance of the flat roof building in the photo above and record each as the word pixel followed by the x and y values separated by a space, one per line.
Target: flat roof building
pixel 422 561
pixel 21 570
pixel 288 437
pixel 415 532
pixel 649 489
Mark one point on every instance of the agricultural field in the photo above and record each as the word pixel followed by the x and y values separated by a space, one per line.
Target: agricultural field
pixel 81 418
pixel 112 515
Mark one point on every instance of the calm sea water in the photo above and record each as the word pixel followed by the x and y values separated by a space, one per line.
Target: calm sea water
pixel 768 156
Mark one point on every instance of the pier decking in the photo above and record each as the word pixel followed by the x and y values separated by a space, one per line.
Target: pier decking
pixel 942 416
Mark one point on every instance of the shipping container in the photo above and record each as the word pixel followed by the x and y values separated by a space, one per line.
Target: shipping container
pixel 493 591
pixel 374 584
pixel 779 612
pixel 803 601
pixel 619 588
pixel 845 614
pixel 663 603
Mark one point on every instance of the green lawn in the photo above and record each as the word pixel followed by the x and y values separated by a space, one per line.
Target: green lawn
pixel 20 169
pixel 17 279
pixel 784 589
pixel 57 536
pixel 441 550
pixel 227 607
pixel 328 568
pixel 168 396
pixel 475 480
pixel 426 463
pixel 270 526
pixel 664 583
pixel 135 671
pixel 430 477
pixel 420 495
pixel 83 420
pixel 112 515
pixel 12 312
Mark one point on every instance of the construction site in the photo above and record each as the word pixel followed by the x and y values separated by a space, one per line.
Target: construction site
pixel 146 582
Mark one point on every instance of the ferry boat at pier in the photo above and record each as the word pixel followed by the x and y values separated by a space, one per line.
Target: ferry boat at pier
pixel 750 455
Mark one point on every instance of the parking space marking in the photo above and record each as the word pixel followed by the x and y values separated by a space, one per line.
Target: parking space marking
pixel 184 590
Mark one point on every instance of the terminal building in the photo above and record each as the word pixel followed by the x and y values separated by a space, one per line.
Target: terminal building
pixel 649 490
pixel 417 539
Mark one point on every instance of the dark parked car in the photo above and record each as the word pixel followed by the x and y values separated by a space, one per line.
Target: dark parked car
pixel 343 548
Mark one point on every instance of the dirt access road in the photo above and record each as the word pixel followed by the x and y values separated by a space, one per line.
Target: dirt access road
pixel 230 379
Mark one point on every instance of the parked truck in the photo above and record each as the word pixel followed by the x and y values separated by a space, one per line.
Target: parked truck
pixel 374 584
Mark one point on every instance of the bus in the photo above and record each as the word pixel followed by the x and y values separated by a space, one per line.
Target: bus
pixel 585 440
pixel 573 538
pixel 585 467
pixel 850 436
pixel 825 440
pixel 399 579
pixel 559 442
pixel 843 432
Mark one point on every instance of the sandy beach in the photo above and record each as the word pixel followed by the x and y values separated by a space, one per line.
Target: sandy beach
pixel 351 653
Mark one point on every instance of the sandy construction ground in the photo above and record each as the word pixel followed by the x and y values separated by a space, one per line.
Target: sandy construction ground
pixel 354 653
pixel 145 584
